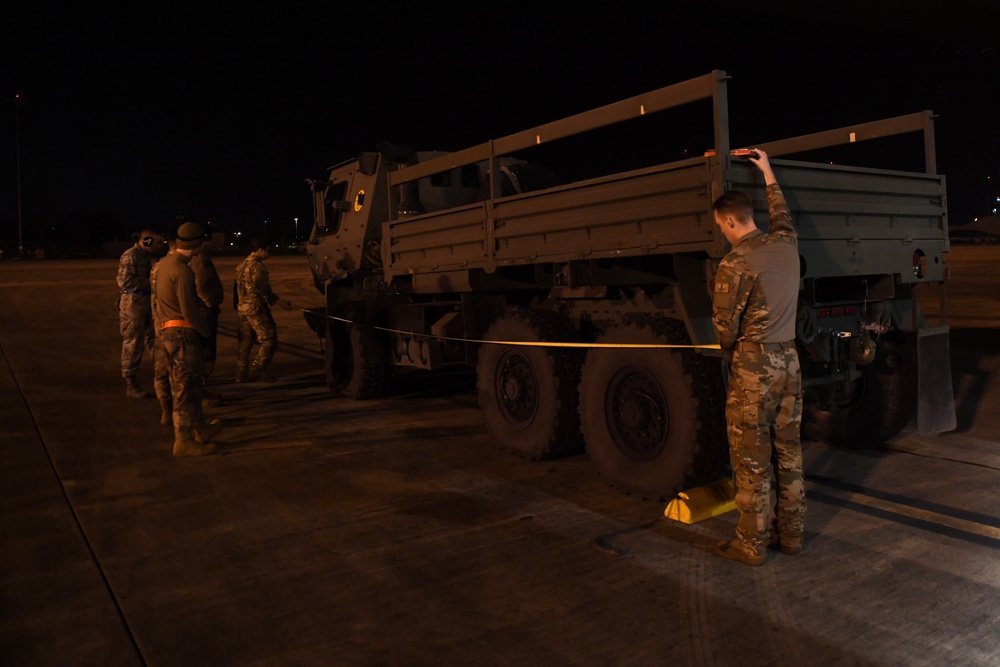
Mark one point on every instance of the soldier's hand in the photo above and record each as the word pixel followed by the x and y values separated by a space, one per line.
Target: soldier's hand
pixel 759 158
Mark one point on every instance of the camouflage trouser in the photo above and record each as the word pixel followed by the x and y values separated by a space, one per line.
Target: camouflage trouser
pixel 161 369
pixel 256 328
pixel 763 415
pixel 183 355
pixel 136 324
pixel 209 344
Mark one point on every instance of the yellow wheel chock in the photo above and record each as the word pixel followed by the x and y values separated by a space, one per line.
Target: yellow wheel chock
pixel 702 502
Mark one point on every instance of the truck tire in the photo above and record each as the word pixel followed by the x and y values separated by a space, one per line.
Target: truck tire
pixel 528 394
pixel 348 371
pixel 653 419
pixel 876 407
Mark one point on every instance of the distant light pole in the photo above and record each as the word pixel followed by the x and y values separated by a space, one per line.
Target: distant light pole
pixel 17 151
pixel 296 239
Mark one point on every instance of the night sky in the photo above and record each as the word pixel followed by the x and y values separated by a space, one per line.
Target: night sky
pixel 152 113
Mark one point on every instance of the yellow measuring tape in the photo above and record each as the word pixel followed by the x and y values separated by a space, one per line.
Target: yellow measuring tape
pixel 714 346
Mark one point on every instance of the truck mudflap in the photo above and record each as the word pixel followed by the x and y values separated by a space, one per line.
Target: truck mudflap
pixel 935 398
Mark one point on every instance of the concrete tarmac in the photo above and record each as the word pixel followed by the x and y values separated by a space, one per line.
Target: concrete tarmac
pixel 393 532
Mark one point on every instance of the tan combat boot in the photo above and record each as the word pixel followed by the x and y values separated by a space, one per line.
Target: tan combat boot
pixel 185 445
pixel 241 372
pixel 790 544
pixel 167 414
pixel 133 389
pixel 787 544
pixel 736 550
pixel 205 432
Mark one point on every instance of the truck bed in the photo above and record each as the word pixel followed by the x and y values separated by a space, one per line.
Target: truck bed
pixel 850 219
pixel 651 211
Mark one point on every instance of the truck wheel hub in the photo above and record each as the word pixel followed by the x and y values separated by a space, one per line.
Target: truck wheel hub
pixel 638 415
pixel 518 389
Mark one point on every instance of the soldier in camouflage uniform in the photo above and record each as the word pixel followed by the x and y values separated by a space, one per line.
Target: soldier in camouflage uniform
pixel 253 298
pixel 182 329
pixel 756 294
pixel 134 314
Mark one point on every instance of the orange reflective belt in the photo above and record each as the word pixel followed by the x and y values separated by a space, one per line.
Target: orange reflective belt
pixel 176 323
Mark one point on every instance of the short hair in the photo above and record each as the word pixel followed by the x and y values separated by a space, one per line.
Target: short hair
pixel 258 243
pixel 736 204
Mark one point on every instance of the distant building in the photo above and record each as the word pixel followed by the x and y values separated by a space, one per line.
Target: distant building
pixel 982 231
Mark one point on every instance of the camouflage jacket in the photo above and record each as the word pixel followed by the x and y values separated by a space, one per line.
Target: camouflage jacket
pixel 757 283
pixel 252 287
pixel 133 270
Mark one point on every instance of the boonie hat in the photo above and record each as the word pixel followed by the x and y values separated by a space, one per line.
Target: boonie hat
pixel 190 235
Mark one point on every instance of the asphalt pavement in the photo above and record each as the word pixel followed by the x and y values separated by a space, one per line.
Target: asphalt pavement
pixel 392 532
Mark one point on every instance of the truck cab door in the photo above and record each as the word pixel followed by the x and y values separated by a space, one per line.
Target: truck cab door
pixel 329 205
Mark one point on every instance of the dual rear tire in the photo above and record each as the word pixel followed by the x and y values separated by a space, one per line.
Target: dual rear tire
pixel 652 417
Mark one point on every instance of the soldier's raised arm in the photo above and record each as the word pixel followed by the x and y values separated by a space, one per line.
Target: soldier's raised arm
pixel 781 218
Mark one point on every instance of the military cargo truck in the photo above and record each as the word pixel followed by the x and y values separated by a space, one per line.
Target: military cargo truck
pixel 584 305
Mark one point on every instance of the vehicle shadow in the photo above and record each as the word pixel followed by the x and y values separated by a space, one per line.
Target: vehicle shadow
pixel 975 359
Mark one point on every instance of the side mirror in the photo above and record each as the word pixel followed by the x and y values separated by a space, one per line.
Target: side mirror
pixel 367 163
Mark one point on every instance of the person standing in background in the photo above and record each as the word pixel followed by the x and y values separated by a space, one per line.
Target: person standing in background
pixel 182 330
pixel 134 313
pixel 253 298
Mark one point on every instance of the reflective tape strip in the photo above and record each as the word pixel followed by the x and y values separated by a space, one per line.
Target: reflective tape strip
pixel 714 346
